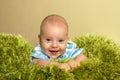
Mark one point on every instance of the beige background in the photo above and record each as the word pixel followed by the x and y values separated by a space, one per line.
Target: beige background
pixel 83 16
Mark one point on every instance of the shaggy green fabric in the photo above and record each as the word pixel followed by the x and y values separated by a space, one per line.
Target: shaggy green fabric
pixel 14 56
pixel 103 58
pixel 102 64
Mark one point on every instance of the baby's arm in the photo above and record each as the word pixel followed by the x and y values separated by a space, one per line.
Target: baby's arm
pixel 70 64
pixel 40 62
pixel 43 62
pixel 76 61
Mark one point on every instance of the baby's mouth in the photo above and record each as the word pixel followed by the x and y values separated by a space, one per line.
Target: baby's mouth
pixel 53 52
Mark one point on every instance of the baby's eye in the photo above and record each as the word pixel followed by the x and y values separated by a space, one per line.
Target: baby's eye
pixel 48 39
pixel 61 40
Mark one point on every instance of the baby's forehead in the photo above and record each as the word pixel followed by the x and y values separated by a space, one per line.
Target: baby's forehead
pixel 54 20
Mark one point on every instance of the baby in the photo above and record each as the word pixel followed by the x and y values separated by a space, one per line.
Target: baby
pixel 54 44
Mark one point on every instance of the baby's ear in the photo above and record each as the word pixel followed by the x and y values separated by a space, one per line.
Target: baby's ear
pixel 38 35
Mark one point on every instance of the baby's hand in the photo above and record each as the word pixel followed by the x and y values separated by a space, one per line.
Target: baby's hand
pixel 64 66
pixel 73 64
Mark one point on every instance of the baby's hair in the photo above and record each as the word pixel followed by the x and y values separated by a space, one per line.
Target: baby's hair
pixel 53 19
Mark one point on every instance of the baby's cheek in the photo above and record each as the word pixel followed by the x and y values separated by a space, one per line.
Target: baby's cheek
pixel 63 48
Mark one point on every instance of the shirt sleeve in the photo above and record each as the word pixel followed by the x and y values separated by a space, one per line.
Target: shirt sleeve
pixel 72 50
pixel 37 53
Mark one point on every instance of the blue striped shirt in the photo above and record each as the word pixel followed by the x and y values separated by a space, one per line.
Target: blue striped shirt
pixel 70 52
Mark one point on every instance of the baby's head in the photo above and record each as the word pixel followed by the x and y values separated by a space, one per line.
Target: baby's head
pixel 53 35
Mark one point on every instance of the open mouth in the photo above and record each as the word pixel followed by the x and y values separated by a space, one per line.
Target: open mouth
pixel 53 52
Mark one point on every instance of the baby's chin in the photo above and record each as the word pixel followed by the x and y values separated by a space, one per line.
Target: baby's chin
pixel 53 57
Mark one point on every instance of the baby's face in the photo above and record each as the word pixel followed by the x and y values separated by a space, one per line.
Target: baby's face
pixel 53 40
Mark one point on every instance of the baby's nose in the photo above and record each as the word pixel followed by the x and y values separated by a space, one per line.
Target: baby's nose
pixel 54 44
